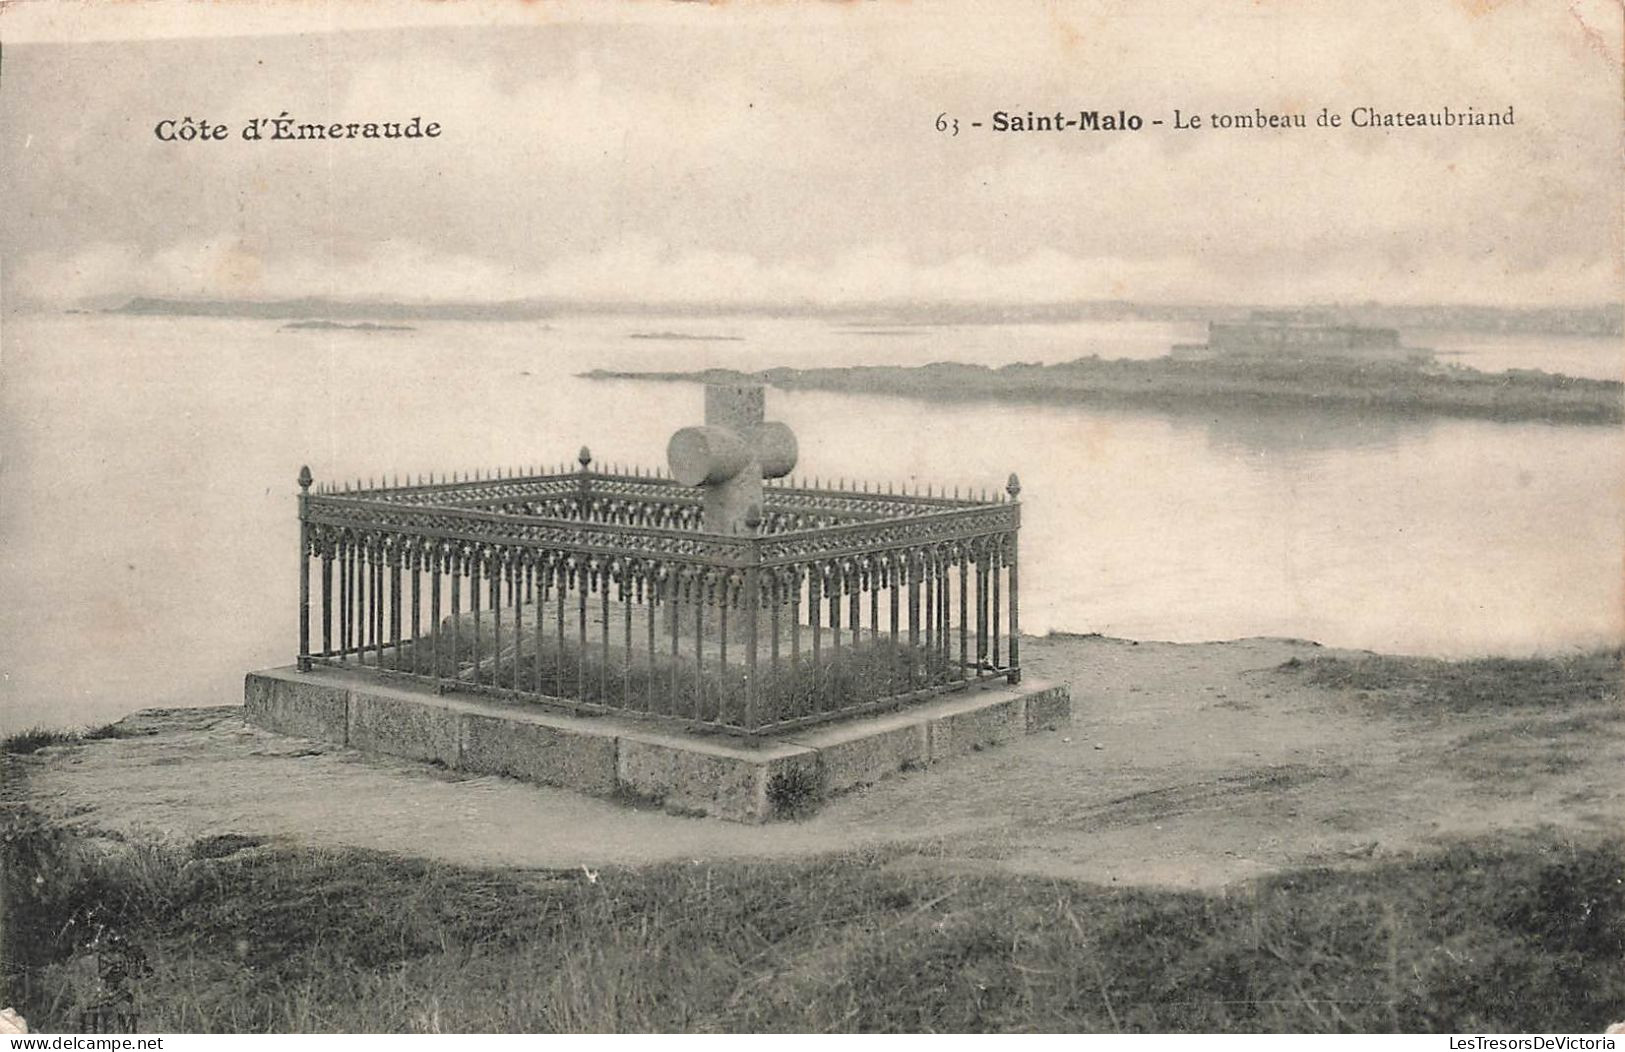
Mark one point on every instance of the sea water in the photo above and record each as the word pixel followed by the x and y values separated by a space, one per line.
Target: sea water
pixel 148 532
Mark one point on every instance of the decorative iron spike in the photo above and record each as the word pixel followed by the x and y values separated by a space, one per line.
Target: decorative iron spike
pixel 956 493
pixel 305 478
pixel 928 489
pixel 1013 487
pixel 584 457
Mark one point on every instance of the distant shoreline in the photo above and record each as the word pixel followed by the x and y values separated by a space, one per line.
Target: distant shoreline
pixel 1515 395
pixel 683 336
pixel 359 326
pixel 1597 320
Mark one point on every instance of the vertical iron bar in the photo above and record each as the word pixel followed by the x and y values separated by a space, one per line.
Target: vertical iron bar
pixel 582 584
pixel 836 584
pixel 538 585
pixel 994 568
pixel 795 627
pixel 649 617
pixel 981 616
pixel 497 570
pixel 435 566
pixel 474 602
pixel 378 607
pixel 327 602
pixel 815 611
pixel 562 584
pixel 1015 617
pixel 370 597
pixel 354 614
pixel 603 610
pixel 625 592
pixel 854 610
pixel 913 616
pixel 456 612
pixel 304 589
pixel 751 603
pixel 874 605
pixel 516 592
pixel 358 558
pixel 892 582
pixel 344 599
pixel 698 594
pixel 929 612
pixel 417 610
pixel 674 613
pixel 776 598
pixel 964 615
pixel 395 608
pixel 724 601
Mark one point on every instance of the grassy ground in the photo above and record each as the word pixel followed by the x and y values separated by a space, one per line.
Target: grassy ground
pixel 1427 687
pixel 850 675
pixel 36 738
pixel 235 936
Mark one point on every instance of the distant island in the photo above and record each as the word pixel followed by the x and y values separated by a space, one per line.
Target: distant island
pixel 1194 383
pixel 696 337
pixel 358 326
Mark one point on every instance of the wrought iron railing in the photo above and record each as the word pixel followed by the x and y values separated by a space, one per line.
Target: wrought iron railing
pixel 597 591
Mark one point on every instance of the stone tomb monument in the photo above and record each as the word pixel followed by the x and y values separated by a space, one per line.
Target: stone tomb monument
pixel 731 653
pixel 730 455
pixel 727 458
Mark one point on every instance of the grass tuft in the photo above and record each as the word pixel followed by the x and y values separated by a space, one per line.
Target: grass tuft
pixel 1486 937
pixel 36 738
pixel 1427 686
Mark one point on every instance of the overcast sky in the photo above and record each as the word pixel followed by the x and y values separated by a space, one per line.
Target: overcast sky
pixel 729 154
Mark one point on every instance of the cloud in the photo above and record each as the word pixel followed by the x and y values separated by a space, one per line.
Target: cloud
pixel 776 155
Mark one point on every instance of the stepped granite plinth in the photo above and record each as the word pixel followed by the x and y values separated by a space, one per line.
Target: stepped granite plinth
pixel 686 772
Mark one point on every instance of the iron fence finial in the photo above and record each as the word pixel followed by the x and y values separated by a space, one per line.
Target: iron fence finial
pixel 584 457
pixel 305 478
pixel 1013 487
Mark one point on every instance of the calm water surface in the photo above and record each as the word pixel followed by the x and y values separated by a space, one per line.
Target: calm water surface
pixel 148 520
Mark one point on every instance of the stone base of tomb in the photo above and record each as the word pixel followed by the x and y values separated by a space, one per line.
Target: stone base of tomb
pixel 689 773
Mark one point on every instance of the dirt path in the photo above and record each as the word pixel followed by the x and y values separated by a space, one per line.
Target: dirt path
pixel 1185 765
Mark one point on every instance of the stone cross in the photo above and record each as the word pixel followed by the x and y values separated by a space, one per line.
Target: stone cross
pixel 730 455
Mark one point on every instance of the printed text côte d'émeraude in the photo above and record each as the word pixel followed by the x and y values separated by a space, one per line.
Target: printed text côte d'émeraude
pixel 286 128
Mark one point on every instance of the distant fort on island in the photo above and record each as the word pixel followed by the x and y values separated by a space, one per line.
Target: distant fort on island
pixel 1300 334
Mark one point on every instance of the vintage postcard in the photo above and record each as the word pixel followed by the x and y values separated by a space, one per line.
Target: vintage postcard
pixel 1058 516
